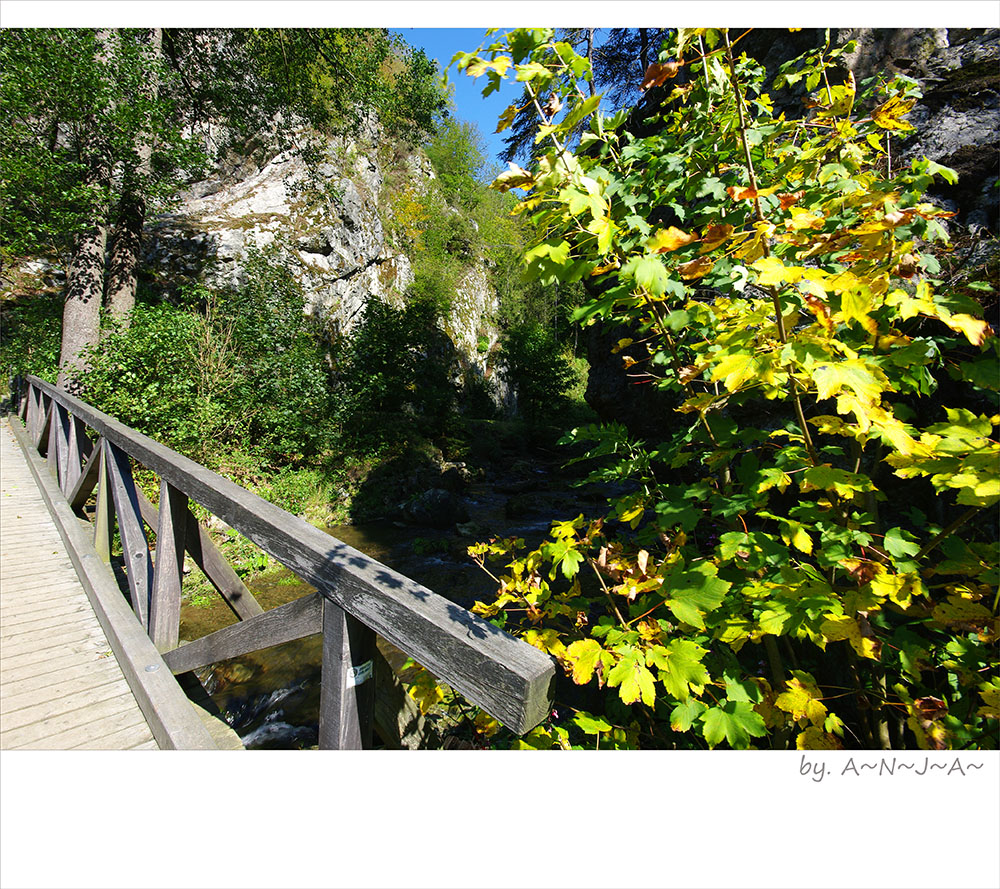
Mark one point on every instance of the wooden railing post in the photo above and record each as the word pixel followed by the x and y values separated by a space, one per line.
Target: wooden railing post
pixel 21 388
pixel 135 546
pixel 80 448
pixel 347 696
pixel 34 409
pixel 62 430
pixel 104 513
pixel 51 447
pixel 168 571
pixel 44 425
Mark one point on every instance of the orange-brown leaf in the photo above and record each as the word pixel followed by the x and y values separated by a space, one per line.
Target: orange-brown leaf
pixel 659 73
pixel 737 193
pixel 715 236
pixel 789 198
pixel 696 268
pixel 820 310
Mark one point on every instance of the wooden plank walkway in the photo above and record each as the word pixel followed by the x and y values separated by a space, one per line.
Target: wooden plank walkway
pixel 60 685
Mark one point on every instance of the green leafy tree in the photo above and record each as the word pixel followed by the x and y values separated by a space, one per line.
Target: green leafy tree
pixel 391 373
pixel 809 555
pixel 99 126
pixel 537 368
pixel 456 151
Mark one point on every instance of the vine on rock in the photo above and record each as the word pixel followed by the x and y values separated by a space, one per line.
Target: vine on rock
pixel 808 556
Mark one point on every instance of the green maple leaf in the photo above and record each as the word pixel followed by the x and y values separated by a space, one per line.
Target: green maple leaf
pixel 680 666
pixel 694 592
pixel 736 722
pixel 590 724
pixel 648 272
pixel 632 679
pixel 682 717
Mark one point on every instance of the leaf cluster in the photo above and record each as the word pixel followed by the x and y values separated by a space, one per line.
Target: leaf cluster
pixel 809 552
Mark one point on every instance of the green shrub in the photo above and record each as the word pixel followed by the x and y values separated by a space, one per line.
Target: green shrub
pixel 247 371
pixel 393 371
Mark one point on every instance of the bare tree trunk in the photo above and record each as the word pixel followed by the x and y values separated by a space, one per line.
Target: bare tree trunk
pixel 123 255
pixel 82 309
pixel 81 322
pixel 126 239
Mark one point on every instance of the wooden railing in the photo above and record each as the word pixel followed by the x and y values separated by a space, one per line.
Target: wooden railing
pixel 357 597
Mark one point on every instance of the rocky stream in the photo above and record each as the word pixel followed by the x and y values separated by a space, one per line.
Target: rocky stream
pixel 271 697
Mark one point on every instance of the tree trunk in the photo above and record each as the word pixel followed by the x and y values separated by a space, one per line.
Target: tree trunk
pixel 81 323
pixel 85 284
pixel 123 255
pixel 126 239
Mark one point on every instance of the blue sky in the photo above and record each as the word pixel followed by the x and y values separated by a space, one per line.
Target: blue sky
pixel 442 44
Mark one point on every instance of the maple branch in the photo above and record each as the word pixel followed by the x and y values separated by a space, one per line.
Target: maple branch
pixel 774 291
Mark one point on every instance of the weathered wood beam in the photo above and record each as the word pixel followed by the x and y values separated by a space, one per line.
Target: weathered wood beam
pixel 21 394
pixel 62 434
pixel 206 555
pixel 87 479
pixel 104 513
pixel 80 449
pixel 34 417
pixel 135 545
pixel 347 695
pixel 299 618
pixel 398 719
pixel 51 448
pixel 168 571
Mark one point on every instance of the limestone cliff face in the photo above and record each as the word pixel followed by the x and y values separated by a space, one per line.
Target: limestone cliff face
pixel 958 119
pixel 326 220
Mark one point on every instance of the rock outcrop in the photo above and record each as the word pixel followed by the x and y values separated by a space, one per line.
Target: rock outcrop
pixel 958 118
pixel 327 221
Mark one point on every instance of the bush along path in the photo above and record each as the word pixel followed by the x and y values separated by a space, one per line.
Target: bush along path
pixel 807 556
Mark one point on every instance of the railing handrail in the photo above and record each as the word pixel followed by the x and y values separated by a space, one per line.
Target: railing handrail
pixel 505 676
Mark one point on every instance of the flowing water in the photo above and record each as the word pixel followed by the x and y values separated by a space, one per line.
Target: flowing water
pixel 271 697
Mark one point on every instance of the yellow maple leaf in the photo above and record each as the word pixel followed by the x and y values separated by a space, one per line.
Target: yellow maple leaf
pixel 835 629
pixel 735 370
pixel 802 699
pixel 802 219
pixel 888 114
pixel 547 640
pixel 990 693
pixel 866 380
pixel 897 587
pixel 772 271
pixel 958 610
pixel 976 331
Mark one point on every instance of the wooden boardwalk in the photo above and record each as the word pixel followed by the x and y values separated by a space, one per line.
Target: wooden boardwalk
pixel 60 686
